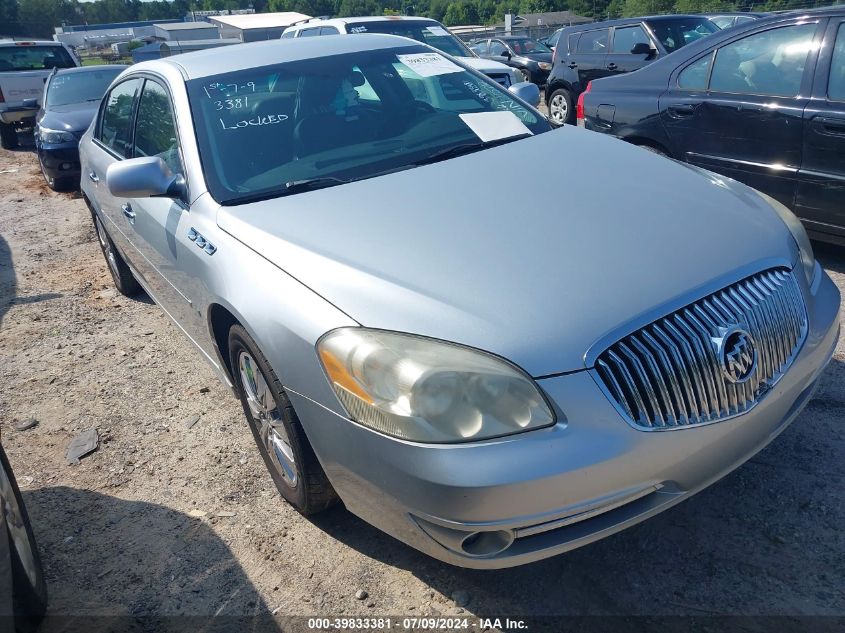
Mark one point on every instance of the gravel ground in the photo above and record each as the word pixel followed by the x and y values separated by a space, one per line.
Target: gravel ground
pixel 166 519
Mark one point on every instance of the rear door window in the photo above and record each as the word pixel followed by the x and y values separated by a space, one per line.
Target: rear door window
pixel 767 63
pixel 115 129
pixel 328 30
pixel 694 76
pixel 836 83
pixel 593 41
pixel 309 32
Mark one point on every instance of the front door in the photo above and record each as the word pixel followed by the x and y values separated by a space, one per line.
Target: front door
pixel 744 116
pixel 111 143
pixel 621 59
pixel 170 261
pixel 821 182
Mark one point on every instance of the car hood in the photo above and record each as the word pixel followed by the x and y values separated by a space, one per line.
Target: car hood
pixel 537 276
pixel 70 118
pixel 538 57
pixel 485 65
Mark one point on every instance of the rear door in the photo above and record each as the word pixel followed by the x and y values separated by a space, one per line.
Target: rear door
pixel 821 182
pixel 111 143
pixel 621 59
pixel 589 59
pixel 739 110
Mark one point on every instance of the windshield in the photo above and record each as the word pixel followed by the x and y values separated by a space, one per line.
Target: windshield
pixel 674 34
pixel 527 46
pixel 263 132
pixel 432 33
pixel 79 87
pixel 28 57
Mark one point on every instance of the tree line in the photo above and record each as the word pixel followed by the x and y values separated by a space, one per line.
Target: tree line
pixel 37 18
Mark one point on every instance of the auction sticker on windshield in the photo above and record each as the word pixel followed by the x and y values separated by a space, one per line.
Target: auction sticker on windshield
pixel 429 64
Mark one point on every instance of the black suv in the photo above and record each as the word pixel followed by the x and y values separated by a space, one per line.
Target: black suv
pixel 601 49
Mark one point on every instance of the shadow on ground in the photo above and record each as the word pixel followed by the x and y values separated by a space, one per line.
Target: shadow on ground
pixel 765 540
pixel 153 564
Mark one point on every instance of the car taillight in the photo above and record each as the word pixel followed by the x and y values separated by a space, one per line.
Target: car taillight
pixel 579 109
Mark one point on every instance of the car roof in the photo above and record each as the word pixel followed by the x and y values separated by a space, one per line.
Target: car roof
pixel 23 43
pixel 624 21
pixel 88 69
pixel 370 18
pixel 227 59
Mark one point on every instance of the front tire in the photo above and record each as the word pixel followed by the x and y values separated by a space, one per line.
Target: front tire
pixel 8 136
pixel 122 276
pixel 526 74
pixel 561 111
pixel 276 428
pixel 29 591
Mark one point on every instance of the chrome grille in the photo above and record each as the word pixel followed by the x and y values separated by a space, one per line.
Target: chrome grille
pixel 503 79
pixel 667 374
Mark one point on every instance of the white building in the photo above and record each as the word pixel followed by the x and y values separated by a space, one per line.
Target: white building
pixel 257 26
pixel 186 31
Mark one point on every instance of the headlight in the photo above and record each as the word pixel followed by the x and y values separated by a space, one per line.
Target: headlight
pixel 805 248
pixel 54 136
pixel 424 390
pixel 544 65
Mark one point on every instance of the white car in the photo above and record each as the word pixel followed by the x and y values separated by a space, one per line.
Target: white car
pixel 424 30
pixel 24 67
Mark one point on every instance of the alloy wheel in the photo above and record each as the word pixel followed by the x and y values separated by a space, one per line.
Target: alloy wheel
pixel 267 417
pixel 558 109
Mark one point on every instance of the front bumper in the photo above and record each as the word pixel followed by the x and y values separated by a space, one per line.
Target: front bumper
pixel 549 491
pixel 60 161
pixel 18 115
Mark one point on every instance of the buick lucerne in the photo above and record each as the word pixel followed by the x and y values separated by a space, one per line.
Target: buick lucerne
pixel 490 383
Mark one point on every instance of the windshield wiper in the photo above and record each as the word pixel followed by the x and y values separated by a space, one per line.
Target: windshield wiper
pixel 310 184
pixel 466 148
pixel 291 187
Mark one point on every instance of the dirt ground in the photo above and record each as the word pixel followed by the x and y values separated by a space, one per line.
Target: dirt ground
pixel 165 519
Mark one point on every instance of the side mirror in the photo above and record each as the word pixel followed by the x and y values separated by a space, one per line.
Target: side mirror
pixel 147 177
pixel 30 103
pixel 642 48
pixel 506 54
pixel 526 91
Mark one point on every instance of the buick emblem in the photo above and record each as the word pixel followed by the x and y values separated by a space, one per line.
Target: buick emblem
pixel 737 354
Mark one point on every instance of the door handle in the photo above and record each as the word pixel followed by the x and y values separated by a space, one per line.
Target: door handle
pixel 93 177
pixel 831 127
pixel 128 212
pixel 612 66
pixel 572 65
pixel 681 110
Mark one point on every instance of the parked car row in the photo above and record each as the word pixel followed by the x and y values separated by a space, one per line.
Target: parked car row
pixel 423 30
pixel 762 103
pixel 300 209
pixel 530 57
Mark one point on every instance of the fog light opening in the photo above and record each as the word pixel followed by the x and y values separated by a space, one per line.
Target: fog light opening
pixel 487 543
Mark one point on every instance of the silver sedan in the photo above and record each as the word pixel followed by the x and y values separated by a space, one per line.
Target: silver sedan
pixel 491 379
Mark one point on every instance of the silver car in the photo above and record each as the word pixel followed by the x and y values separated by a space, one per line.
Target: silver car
pixel 490 379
